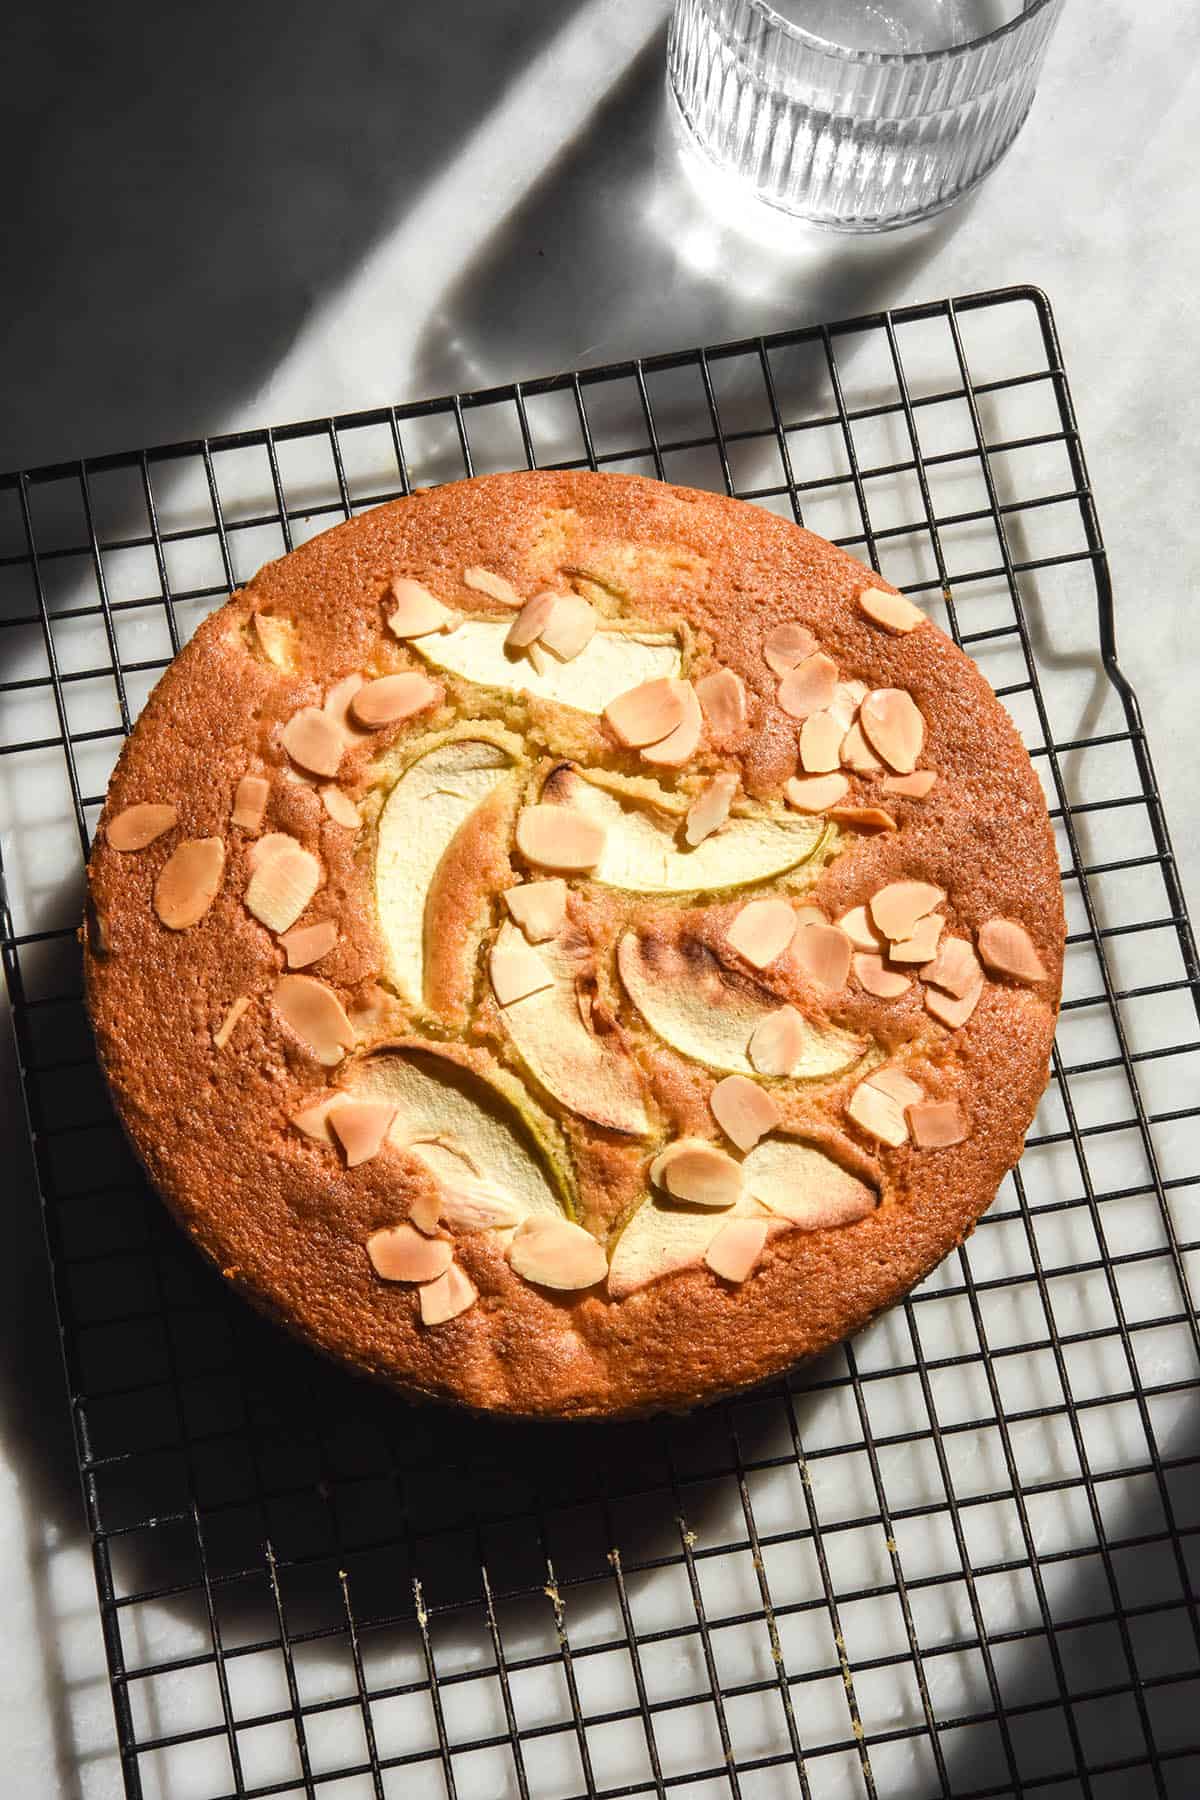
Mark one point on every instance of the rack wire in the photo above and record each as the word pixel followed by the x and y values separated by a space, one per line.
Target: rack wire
pixel 954 1557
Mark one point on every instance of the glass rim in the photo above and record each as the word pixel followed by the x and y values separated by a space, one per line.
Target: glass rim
pixel 840 53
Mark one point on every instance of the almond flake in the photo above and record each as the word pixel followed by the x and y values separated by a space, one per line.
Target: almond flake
pixel 896 908
pixel 744 1111
pixel 679 746
pixel 722 696
pixel 314 1012
pixel 856 753
pixel 921 946
pixel 955 968
pixel 863 818
pixel 250 802
pixel 762 931
pixel 336 705
pixel 388 700
pixel 264 848
pixel 189 882
pixel 710 809
pixel 486 581
pixel 417 611
pixel 558 837
pixel 538 660
pixel 1008 949
pixel 878 1114
pixel 892 611
pixel 822 952
pixel 276 638
pixel 401 1253
pixel 516 971
pixel 858 928
pixel 361 1127
pixel 809 687
pixel 734 1252
pixel 820 743
pixel 810 915
pixel 648 713
pixel 815 793
pixel 305 944
pixel 446 1297
pixel 313 1120
pixel 283 883
pixel 697 1173
pixel 570 627
pixel 876 978
pixel 139 825
pixel 952 1011
pixel 556 1254
pixel 425 1212
pixel 937 1124
pixel 896 1084
pixel 914 786
pixel 894 727
pixel 229 1023
pixel 530 621
pixel 312 739
pixel 787 646
pixel 340 807
pixel 777 1042
pixel 539 908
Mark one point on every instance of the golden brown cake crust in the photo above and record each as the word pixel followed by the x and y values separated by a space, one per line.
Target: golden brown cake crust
pixel 281 1215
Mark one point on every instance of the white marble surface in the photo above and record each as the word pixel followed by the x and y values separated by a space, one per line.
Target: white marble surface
pixel 483 193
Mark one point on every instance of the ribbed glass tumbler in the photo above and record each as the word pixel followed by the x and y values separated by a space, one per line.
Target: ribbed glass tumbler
pixel 859 115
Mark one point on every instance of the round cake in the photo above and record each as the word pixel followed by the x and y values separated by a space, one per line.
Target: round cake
pixel 571 945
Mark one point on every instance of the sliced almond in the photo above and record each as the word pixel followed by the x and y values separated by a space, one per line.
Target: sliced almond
pixel 139 825
pixel 312 739
pixel 810 687
pixel 722 696
pixel 892 611
pixel 486 581
pixel 744 1111
pixel 936 1124
pixel 955 968
pixel 894 727
pixel 921 946
pixel 648 713
pixel 863 818
pixel 229 1023
pixel 417 612
pixel 878 1114
pixel 896 908
pixel 679 746
pixel 538 659
pixel 762 931
pixel 893 1081
pixel 276 638
pixel 710 809
pixel 425 1212
pixel 516 971
pixel 698 1173
pixel 401 1253
pixel 250 802
pixel 361 1126
pixel 856 753
pixel 570 627
pixel 340 807
pixel 305 944
pixel 876 978
pixel 810 915
pixel 820 743
pixel 446 1297
pixel 189 882
pixel 314 1012
pixel 822 953
pixel 556 1254
pixel 558 837
pixel 912 787
pixel 858 928
pixel 815 793
pixel 336 705
pixel 951 1010
pixel 282 885
pixel 539 908
pixel 530 622
pixel 390 699
pixel 787 646
pixel 734 1252
pixel 263 848
pixel 776 1043
pixel 1008 949
pixel 313 1120
pixel 847 699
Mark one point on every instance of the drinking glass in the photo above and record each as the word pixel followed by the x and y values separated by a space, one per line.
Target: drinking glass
pixel 859 115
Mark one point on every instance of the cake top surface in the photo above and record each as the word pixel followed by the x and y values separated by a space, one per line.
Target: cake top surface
pixel 573 945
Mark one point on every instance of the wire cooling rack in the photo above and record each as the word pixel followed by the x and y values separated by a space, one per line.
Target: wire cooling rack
pixel 953 1557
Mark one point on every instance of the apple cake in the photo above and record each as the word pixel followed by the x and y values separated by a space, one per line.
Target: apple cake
pixel 572 945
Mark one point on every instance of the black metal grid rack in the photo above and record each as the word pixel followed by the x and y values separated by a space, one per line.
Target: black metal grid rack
pixel 955 1557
